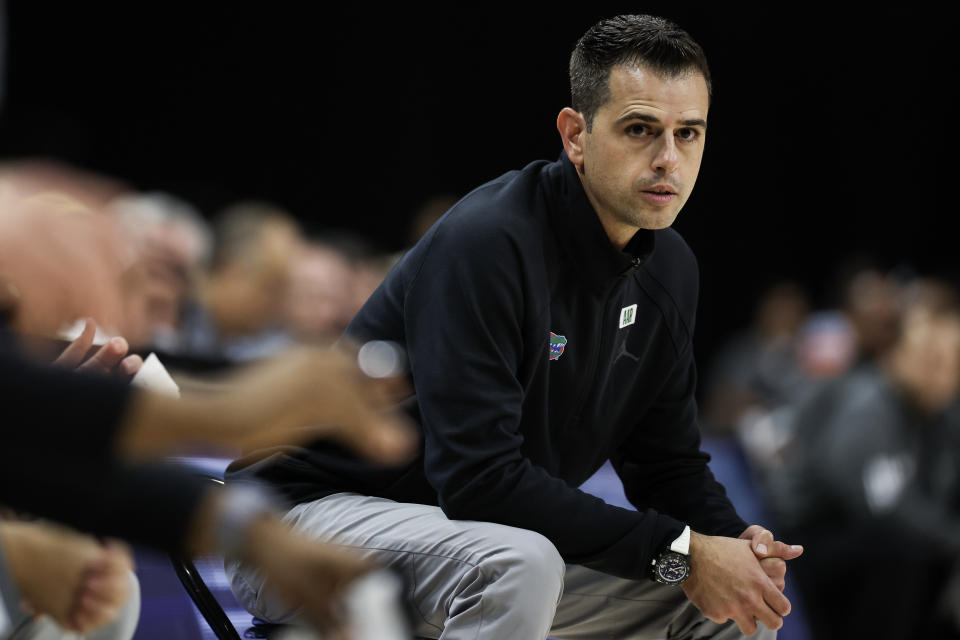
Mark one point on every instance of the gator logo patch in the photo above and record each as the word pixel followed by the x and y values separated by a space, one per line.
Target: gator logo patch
pixel 557 345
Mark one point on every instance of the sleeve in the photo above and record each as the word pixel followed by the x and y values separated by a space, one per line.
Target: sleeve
pixel 59 410
pixel 662 466
pixel 464 317
pixel 152 505
pixel 56 459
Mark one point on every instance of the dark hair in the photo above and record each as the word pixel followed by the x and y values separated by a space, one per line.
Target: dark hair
pixel 642 40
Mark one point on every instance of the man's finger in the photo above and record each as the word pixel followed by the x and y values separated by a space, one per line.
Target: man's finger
pixel 776 570
pixel 762 542
pixel 73 354
pixel 750 531
pixel 129 366
pixel 769 618
pixel 107 357
pixel 748 625
pixel 776 600
pixel 786 551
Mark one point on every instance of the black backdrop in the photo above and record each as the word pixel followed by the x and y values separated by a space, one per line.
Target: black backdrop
pixel 831 131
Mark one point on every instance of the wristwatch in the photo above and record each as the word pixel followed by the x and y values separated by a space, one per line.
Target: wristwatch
pixel 672 566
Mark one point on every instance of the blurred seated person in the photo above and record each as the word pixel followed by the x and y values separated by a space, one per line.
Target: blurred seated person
pixel 240 304
pixel 870 301
pixel 871 484
pixel 171 244
pixel 319 301
pixel 759 368
pixel 58 263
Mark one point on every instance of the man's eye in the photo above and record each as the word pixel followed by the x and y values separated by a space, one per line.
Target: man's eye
pixel 687 134
pixel 638 129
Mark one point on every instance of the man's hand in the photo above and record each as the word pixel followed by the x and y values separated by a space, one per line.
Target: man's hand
pixel 772 554
pixel 309 575
pixel 727 582
pixel 71 577
pixel 110 358
pixel 763 544
pixel 104 588
pixel 294 398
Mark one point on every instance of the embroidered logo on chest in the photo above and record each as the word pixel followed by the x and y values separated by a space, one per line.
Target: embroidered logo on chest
pixel 557 345
pixel 628 315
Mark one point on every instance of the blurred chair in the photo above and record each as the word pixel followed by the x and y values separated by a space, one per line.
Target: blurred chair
pixel 197 589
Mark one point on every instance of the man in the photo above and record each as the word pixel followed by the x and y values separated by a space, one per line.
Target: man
pixel 548 319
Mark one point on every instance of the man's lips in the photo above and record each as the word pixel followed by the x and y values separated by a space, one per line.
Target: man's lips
pixel 659 194
pixel 661 189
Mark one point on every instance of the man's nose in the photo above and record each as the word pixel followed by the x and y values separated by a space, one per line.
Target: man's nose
pixel 666 160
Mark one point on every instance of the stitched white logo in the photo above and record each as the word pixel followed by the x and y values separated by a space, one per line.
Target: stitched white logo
pixel 628 315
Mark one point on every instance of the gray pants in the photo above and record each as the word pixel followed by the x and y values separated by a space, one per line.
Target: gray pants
pixel 480 580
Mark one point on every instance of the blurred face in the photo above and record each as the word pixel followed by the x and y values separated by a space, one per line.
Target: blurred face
pixel 640 160
pixel 318 300
pixel 267 283
pixel 251 294
pixel 927 359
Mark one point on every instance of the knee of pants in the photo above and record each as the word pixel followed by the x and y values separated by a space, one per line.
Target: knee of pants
pixel 250 590
pixel 526 562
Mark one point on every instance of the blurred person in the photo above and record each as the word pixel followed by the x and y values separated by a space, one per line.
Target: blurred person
pixel 758 370
pixel 368 266
pixel 827 348
pixel 172 245
pixel 824 349
pixel 25 177
pixel 90 429
pixel 548 318
pixel 60 260
pixel 871 484
pixel 71 582
pixel 169 510
pixel 240 304
pixel 870 302
pixel 320 299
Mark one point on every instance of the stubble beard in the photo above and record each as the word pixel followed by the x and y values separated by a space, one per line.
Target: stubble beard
pixel 637 215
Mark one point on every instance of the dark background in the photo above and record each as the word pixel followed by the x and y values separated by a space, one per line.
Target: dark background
pixel 831 131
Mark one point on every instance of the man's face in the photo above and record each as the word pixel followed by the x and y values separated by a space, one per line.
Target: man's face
pixel 641 158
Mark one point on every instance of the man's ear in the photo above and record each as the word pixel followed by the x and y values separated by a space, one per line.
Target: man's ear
pixel 573 128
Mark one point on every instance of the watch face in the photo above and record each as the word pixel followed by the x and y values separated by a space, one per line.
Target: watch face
pixel 673 567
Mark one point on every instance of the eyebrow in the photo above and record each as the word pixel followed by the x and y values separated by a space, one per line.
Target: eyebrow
pixel 645 117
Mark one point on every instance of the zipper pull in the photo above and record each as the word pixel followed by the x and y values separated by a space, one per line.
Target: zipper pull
pixel 635 263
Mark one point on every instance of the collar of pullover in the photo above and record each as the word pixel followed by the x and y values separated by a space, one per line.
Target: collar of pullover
pixel 581 235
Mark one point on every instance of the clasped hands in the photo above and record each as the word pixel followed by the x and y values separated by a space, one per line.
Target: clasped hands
pixel 740 578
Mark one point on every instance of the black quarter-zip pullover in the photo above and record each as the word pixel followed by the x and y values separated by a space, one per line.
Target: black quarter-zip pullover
pixel 537 352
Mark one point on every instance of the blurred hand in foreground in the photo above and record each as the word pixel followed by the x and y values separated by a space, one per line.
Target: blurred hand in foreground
pixel 111 358
pixel 79 582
